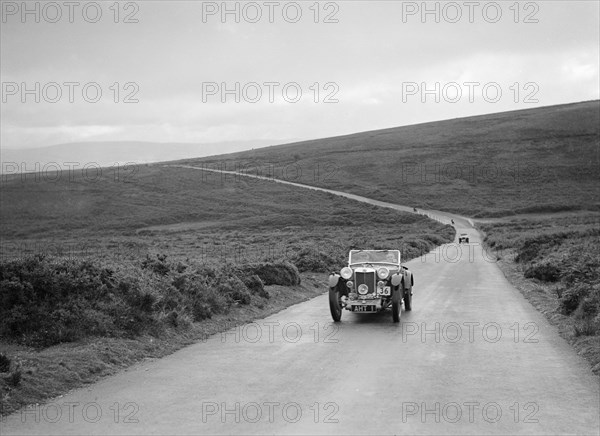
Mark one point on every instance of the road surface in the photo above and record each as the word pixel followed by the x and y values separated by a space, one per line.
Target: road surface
pixel 472 357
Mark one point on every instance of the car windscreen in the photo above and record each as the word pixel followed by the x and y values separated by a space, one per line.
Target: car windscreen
pixel 360 256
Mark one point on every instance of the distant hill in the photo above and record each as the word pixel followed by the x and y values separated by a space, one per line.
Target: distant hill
pixel 537 160
pixel 109 153
pixel 534 160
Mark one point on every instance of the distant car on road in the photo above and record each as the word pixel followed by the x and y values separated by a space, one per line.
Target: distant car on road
pixel 464 237
pixel 372 282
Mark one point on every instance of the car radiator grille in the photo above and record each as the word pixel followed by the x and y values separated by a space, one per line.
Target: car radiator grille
pixel 367 278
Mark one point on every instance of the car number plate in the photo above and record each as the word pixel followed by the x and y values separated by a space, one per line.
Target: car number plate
pixel 369 308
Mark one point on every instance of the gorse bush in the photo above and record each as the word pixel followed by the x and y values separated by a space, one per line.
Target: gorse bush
pixel 45 301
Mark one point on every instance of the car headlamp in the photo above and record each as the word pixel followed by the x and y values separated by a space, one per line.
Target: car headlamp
pixel 350 284
pixel 363 289
pixel 383 272
pixel 346 272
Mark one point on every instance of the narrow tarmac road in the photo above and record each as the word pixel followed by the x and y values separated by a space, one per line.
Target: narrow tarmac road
pixel 472 357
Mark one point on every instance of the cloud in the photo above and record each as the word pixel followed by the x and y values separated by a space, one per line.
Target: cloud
pixel 370 53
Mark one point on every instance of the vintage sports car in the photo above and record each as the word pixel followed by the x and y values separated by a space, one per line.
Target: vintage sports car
pixel 373 281
pixel 464 237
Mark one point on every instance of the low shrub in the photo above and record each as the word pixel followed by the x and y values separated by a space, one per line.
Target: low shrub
pixel 545 272
pixel 434 239
pixel 589 306
pixel 158 265
pixel 234 289
pixel 314 260
pixel 194 292
pixel 46 301
pixel 4 363
pixel 585 327
pixel 572 297
pixel 534 247
pixel 276 273
pixel 582 266
pixel 14 378
pixel 414 248
pixel 255 285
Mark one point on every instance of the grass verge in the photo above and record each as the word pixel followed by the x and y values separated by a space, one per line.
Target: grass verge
pixel 555 263
pixel 53 371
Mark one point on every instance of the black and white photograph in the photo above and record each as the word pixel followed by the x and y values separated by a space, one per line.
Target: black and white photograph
pixel 311 217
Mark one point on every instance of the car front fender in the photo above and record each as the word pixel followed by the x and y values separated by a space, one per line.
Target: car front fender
pixel 334 280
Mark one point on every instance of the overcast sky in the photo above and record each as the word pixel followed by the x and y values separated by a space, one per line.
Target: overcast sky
pixel 372 62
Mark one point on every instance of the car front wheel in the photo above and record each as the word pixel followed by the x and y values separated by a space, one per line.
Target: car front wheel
pixel 408 300
pixel 335 306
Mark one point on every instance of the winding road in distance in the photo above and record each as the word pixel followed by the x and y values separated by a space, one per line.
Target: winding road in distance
pixel 472 357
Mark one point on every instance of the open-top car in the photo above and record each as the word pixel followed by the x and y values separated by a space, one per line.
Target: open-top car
pixel 464 237
pixel 373 281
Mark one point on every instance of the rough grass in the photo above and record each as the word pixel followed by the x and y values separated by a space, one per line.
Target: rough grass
pixel 555 262
pixel 177 212
pixel 530 161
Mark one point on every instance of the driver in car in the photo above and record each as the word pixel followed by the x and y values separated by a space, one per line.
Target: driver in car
pixel 361 257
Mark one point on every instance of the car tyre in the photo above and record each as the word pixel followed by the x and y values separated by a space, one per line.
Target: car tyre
pixel 408 300
pixel 396 305
pixel 335 306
